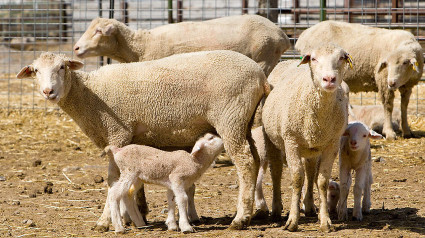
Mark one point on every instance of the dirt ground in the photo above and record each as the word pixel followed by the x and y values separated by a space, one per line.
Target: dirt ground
pixel 51 186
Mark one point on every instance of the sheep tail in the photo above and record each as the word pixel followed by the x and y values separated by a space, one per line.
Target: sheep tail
pixel 267 88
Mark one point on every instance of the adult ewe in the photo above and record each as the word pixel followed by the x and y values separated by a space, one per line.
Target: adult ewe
pixel 305 116
pixel 251 35
pixel 163 103
pixel 386 60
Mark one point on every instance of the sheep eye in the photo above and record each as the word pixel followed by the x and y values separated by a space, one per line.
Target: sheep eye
pixel 35 70
pixel 364 135
pixel 406 62
pixel 314 59
pixel 341 58
pixel 62 67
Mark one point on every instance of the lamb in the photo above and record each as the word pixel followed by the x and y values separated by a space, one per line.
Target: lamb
pixel 163 103
pixel 373 116
pixel 304 116
pixel 386 60
pixel 176 170
pixel 251 35
pixel 355 155
pixel 333 196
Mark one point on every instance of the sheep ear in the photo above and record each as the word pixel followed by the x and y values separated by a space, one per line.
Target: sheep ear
pixel 108 30
pixel 26 72
pixel 74 64
pixel 382 65
pixel 415 64
pixel 346 133
pixel 374 135
pixel 304 60
pixel 196 149
pixel 349 60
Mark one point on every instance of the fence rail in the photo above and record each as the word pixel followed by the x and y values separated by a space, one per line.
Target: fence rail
pixel 30 27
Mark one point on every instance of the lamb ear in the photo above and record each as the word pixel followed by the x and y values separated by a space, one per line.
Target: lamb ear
pixel 26 72
pixel 196 149
pixel 349 60
pixel 382 65
pixel 415 64
pixel 304 60
pixel 374 135
pixel 74 64
pixel 108 30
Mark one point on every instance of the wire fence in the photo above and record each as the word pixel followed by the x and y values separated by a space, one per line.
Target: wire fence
pixel 28 28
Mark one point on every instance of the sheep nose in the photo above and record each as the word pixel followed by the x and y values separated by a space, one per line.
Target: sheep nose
pixel 391 84
pixel 48 91
pixel 76 48
pixel 329 79
pixel 353 142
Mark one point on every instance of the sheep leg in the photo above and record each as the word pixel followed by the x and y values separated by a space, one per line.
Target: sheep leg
pixel 359 186
pixel 115 194
pixel 405 97
pixel 296 168
pixel 124 213
pixel 310 177
pixel 387 97
pixel 324 173
pixel 102 224
pixel 247 170
pixel 260 203
pixel 193 215
pixel 275 157
pixel 181 200
pixel 366 192
pixel 130 202
pixel 171 219
pixel 141 202
pixel 344 187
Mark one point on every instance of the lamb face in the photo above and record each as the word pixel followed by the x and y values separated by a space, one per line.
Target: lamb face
pixel 209 145
pixel 358 135
pixel 50 73
pixel 326 63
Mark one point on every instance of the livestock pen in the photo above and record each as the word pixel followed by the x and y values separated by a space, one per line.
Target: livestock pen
pixel 52 179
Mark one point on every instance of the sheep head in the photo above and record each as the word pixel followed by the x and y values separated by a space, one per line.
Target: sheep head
pixel 209 144
pixel 402 64
pixel 97 39
pixel 50 71
pixel 358 135
pixel 326 64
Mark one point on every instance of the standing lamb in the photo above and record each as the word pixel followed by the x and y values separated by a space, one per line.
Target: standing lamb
pixel 304 116
pixel 355 155
pixel 386 60
pixel 176 170
pixel 374 117
pixel 333 196
pixel 251 35
pixel 163 103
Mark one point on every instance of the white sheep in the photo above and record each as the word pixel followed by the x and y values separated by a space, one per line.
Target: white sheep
pixel 333 196
pixel 386 60
pixel 163 103
pixel 355 155
pixel 304 115
pixel 251 35
pixel 374 117
pixel 176 170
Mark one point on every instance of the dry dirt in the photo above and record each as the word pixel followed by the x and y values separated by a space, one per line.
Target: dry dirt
pixel 50 186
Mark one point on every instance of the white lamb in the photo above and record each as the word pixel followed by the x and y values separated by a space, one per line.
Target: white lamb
pixel 251 35
pixel 333 196
pixel 355 155
pixel 305 115
pixel 386 60
pixel 176 170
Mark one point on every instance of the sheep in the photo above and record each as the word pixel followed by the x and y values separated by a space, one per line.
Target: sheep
pixel 373 116
pixel 386 60
pixel 355 155
pixel 176 170
pixel 333 196
pixel 304 116
pixel 251 35
pixel 164 103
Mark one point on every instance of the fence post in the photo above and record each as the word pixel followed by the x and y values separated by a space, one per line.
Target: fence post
pixel 244 6
pixel 170 11
pixel 111 15
pixel 322 10
pixel 100 15
pixel 179 10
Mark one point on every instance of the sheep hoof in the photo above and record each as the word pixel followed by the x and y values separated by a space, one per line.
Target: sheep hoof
pixel 196 222
pixel 409 135
pixel 191 230
pixel 120 231
pixel 276 217
pixel 291 225
pixel 100 228
pixel 310 213
pixel 357 218
pixel 325 226
pixel 260 215
pixel 236 225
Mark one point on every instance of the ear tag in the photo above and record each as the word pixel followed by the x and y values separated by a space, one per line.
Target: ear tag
pixel 301 57
pixel 350 61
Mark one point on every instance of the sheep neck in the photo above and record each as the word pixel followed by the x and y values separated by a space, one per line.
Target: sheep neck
pixel 129 48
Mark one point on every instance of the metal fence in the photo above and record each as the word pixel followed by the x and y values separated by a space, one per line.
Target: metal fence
pixel 29 27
